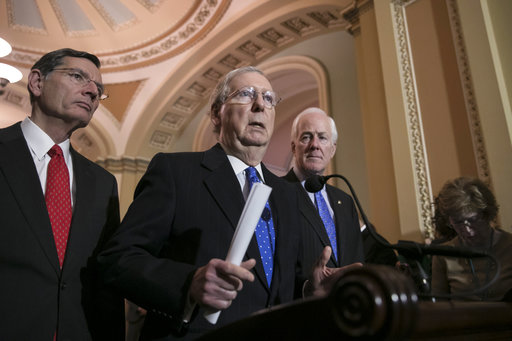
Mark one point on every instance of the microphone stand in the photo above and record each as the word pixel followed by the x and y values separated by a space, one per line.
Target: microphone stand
pixel 374 234
pixel 418 274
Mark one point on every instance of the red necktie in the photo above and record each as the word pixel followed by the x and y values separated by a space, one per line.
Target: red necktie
pixel 58 200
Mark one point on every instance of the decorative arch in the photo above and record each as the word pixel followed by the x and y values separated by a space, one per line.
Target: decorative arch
pixel 184 92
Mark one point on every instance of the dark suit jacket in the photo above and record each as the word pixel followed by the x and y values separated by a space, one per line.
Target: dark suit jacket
pixel 350 247
pixel 35 296
pixel 185 212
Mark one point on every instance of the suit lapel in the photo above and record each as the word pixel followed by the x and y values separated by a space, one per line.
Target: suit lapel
pixel 17 166
pixel 84 181
pixel 223 184
pixel 310 213
pixel 225 189
pixel 337 207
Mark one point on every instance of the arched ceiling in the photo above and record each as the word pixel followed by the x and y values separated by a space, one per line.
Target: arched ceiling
pixel 160 58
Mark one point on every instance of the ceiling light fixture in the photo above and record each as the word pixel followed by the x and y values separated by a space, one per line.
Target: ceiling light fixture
pixel 8 73
pixel 5 48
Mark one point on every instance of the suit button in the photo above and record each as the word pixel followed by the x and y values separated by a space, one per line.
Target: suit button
pixel 63 285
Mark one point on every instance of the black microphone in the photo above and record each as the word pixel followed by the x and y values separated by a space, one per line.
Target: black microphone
pixel 316 182
pixel 412 249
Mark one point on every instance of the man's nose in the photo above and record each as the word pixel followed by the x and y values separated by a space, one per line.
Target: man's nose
pixel 315 141
pixel 258 103
pixel 92 89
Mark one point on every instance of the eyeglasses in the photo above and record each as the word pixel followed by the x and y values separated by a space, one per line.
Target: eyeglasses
pixel 79 77
pixel 469 222
pixel 248 95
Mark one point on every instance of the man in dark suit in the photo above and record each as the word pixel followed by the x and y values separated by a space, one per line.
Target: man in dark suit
pixel 313 142
pixel 168 255
pixel 49 287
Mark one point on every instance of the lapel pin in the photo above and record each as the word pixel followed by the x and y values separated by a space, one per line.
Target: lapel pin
pixel 339 202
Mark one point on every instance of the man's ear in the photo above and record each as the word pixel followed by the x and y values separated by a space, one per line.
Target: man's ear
pixel 333 150
pixel 215 116
pixel 35 82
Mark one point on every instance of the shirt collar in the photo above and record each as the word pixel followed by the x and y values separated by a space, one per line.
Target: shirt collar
pixel 240 166
pixel 39 142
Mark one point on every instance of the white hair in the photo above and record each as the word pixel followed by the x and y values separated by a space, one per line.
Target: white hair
pixel 314 110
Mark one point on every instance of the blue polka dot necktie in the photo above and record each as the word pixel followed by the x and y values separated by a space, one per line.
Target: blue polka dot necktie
pixel 58 200
pixel 330 228
pixel 265 235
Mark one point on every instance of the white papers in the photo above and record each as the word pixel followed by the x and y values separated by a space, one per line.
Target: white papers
pixel 245 229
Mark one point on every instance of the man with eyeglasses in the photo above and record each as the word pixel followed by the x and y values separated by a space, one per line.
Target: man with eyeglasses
pixel 57 209
pixel 168 255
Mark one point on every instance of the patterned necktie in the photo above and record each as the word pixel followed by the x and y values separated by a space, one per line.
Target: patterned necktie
pixel 264 231
pixel 330 228
pixel 58 200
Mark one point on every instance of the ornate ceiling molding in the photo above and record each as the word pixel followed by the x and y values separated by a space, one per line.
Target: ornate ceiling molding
pixel 187 32
pixel 352 14
pixel 195 28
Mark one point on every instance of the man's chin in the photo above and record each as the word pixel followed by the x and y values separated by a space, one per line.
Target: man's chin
pixel 78 121
pixel 314 169
pixel 254 142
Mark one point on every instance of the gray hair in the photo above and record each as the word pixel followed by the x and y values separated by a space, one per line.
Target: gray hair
pixel 332 124
pixel 222 90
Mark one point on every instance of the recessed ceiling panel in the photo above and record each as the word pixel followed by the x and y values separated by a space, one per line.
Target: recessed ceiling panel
pixel 152 5
pixel 71 17
pixel 25 15
pixel 114 13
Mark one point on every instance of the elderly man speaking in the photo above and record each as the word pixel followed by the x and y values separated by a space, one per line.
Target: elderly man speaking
pixel 168 255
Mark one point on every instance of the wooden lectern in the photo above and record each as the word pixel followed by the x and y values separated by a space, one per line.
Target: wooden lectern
pixel 373 303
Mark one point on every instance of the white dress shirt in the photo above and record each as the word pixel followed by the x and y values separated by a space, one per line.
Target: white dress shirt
pixel 324 194
pixel 239 168
pixel 39 143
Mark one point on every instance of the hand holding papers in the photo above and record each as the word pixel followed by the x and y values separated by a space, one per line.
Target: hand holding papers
pixel 244 231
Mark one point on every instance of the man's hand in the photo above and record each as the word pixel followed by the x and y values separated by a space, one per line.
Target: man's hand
pixel 216 284
pixel 323 278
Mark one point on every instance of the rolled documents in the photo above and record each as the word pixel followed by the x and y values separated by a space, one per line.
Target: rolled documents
pixel 244 231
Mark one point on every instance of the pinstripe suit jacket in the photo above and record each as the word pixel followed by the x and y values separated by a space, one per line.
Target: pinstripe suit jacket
pixel 185 212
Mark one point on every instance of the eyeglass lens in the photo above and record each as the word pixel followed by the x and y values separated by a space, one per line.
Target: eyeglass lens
pixel 248 95
pixel 79 77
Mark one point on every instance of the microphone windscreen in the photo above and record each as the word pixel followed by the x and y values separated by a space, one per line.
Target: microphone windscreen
pixel 314 183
